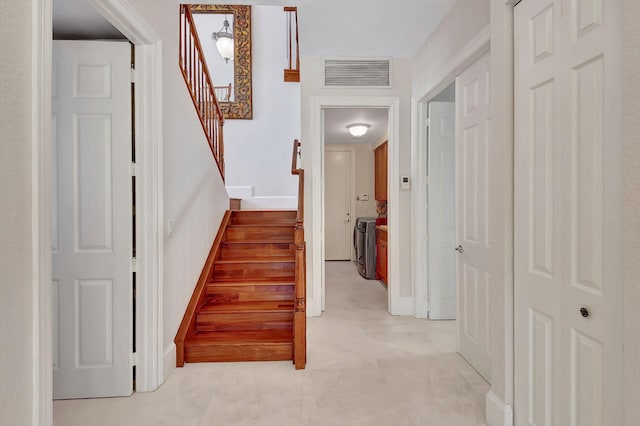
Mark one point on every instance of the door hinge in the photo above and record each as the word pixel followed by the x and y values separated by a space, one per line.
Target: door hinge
pixel 134 75
pixel 134 169
pixel 428 121
pixel 134 264
pixel 134 359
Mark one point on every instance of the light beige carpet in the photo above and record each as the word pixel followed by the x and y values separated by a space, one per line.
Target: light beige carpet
pixel 364 367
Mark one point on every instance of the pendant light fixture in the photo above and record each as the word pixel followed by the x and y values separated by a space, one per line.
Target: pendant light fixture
pixel 358 130
pixel 224 41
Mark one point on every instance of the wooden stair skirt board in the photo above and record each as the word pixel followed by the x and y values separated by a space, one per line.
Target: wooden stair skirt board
pixel 235 203
pixel 243 306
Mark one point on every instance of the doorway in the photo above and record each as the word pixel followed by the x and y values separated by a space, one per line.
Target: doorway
pixel 469 220
pixel 316 289
pixel 148 127
pixel 349 174
pixel 441 233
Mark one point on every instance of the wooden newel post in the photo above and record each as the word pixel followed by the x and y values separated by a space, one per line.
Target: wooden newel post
pixel 300 315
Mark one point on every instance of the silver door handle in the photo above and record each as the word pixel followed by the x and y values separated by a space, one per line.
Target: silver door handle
pixel 459 249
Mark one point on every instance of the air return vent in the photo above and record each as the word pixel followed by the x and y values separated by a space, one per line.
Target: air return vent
pixel 357 72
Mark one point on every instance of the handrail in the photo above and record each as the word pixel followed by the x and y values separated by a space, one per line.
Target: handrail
pixel 198 80
pixel 300 315
pixel 293 50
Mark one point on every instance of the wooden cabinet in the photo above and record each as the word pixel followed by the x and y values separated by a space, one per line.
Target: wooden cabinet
pixel 380 155
pixel 381 254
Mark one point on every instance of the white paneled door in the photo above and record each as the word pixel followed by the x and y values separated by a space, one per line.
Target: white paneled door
pixel 441 211
pixel 337 196
pixel 92 220
pixel 472 211
pixel 568 213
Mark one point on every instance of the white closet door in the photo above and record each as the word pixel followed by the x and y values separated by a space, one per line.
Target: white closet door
pixel 338 224
pixel 93 318
pixel 568 213
pixel 472 207
pixel 441 211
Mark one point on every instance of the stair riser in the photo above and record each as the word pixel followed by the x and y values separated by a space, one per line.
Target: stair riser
pixel 270 233
pixel 230 251
pixel 249 293
pixel 253 270
pixel 247 352
pixel 256 217
pixel 245 321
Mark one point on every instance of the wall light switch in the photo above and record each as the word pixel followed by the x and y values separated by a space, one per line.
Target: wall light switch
pixel 363 197
pixel 404 182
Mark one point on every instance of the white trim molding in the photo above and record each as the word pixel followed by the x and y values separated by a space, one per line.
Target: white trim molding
pixel 169 361
pixel 242 192
pixel 472 51
pixel 398 305
pixel 41 71
pixel 268 202
pixel 149 248
pixel 497 412
pixel 260 202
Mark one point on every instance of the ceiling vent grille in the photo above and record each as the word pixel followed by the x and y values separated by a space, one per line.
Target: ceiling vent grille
pixel 357 72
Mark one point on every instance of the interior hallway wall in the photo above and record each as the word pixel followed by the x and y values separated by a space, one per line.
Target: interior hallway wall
pixel 17 395
pixel 195 198
pixel 631 218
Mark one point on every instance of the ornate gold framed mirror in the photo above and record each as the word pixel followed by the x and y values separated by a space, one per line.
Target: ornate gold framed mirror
pixel 236 102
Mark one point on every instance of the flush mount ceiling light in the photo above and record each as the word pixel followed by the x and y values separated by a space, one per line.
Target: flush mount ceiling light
pixel 358 130
pixel 224 41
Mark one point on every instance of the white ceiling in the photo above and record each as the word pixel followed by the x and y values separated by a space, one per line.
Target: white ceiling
pixel 395 28
pixel 337 119
pixel 76 18
pixel 327 28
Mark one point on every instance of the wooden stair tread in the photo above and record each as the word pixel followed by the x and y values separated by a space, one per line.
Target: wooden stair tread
pixel 228 243
pixel 265 241
pixel 258 281
pixel 240 337
pixel 260 306
pixel 256 259
pixel 270 224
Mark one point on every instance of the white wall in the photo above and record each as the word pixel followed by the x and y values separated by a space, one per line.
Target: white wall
pixel 16 296
pixel 258 151
pixel 311 88
pixel 631 221
pixel 465 19
pixel 194 195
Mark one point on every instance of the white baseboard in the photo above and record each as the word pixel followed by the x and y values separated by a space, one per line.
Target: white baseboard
pixel 270 202
pixel 260 202
pixel 242 192
pixel 168 361
pixel 497 412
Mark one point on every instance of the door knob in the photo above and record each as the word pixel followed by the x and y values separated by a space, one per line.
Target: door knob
pixel 459 249
pixel 584 312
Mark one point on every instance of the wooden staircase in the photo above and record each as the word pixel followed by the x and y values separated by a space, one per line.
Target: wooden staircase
pixel 245 311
